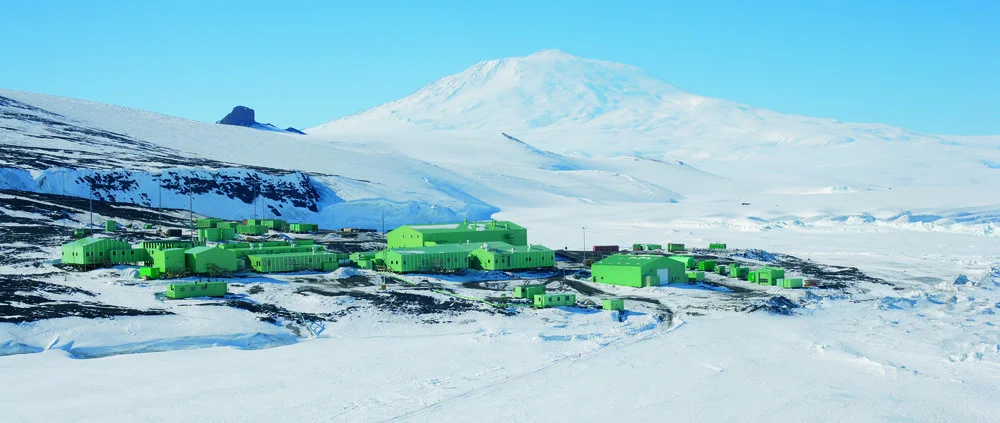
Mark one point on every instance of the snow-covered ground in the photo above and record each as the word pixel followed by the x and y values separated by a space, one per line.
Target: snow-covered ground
pixel 557 144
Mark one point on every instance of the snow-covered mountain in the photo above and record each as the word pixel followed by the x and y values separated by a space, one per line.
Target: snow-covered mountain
pixel 578 114
pixel 552 92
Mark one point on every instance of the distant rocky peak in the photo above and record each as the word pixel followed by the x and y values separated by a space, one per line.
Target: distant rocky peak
pixel 244 116
pixel 240 116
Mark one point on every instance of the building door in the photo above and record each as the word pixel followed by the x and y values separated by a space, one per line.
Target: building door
pixel 664 275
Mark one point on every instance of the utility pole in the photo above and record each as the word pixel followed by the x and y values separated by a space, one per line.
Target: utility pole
pixel 584 245
pixel 159 196
pixel 383 220
pixel 191 216
pixel 90 195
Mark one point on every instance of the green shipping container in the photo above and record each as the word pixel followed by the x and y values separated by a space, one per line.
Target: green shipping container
pixel 790 283
pixel 227 225
pixel 79 233
pixel 675 247
pixel 251 229
pixel 275 224
pixel 637 270
pixel 646 247
pixel 441 258
pixel 613 304
pixel 503 256
pixel 528 291
pixel 457 233
pixel 722 270
pixel 688 262
pixel 695 275
pixel 147 226
pixel 294 262
pixel 554 300
pixel 110 225
pixel 207 223
pixel 302 228
pixel 716 246
pixel 196 289
pixel 706 265
pixel 149 272
pixel 738 272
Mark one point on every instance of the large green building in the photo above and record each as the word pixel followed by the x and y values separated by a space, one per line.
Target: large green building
pixel 94 252
pixel 637 270
pixel 457 233
pixel 294 262
pixel 503 256
pixel 210 260
pixel 440 258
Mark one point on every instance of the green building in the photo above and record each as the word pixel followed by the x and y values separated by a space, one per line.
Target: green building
pixel 706 265
pixel 440 258
pixel 228 225
pixel 207 223
pixel 790 283
pixel 284 248
pixel 216 235
pixel 79 233
pixel 616 304
pixel 210 260
pixel 93 252
pixel 722 269
pixel 529 291
pixel 364 259
pixel 687 261
pixel 146 272
pixel 110 225
pixel 646 247
pixel 637 270
pixel 554 300
pixel 274 224
pixel 196 289
pixel 302 228
pixel 251 229
pixel 164 244
pixel 457 233
pixel 738 272
pixel 503 256
pixel 695 275
pixel 767 275
pixel 170 261
pixel 717 246
pixel 675 247
pixel 294 262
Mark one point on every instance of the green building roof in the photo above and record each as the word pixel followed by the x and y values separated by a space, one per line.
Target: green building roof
pixel 492 225
pixel 446 248
pixel 504 247
pixel 628 260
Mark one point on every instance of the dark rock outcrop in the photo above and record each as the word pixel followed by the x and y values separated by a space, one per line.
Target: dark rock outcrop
pixel 240 116
pixel 244 116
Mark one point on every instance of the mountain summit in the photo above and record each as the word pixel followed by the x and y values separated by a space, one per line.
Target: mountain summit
pixel 244 116
pixel 548 88
pixel 591 105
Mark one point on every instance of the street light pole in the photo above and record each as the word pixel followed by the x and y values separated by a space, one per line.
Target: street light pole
pixel 584 245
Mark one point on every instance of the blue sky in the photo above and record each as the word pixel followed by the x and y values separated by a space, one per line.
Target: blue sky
pixel 928 66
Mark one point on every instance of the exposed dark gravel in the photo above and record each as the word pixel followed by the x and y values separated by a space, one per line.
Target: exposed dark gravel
pixel 23 299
